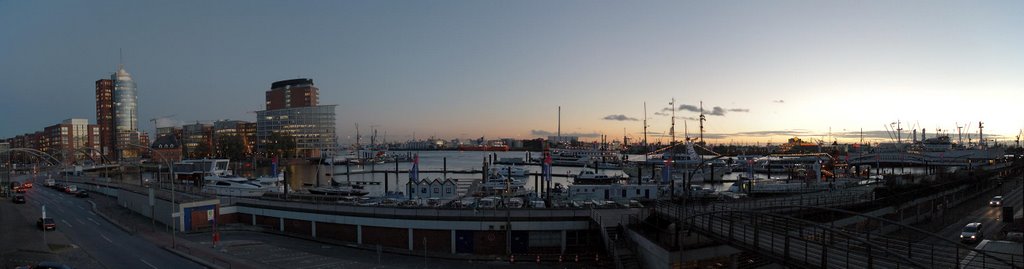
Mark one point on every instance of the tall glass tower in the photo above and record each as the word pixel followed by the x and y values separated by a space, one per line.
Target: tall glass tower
pixel 126 120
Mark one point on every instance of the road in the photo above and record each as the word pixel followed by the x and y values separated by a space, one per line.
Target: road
pixel 988 216
pixel 110 246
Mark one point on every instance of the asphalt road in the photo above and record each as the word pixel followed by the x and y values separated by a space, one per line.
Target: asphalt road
pixel 989 217
pixel 110 246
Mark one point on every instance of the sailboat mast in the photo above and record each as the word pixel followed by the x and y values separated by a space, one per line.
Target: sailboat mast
pixel 672 130
pixel 702 119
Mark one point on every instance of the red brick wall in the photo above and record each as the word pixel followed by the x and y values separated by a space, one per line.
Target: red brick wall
pixel 343 232
pixel 489 242
pixel 437 240
pixel 231 218
pixel 244 218
pixel 294 226
pixel 387 237
pixel 273 223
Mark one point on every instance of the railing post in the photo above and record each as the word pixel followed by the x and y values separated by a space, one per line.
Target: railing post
pixel 824 256
pixel 870 256
pixel 785 248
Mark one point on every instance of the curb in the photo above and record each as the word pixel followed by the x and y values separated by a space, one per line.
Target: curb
pixel 109 219
pixel 193 258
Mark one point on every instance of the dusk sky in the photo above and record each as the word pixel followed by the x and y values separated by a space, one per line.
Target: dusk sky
pixel 765 70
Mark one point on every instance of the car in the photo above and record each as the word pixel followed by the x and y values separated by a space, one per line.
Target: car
pixel 82 194
pixel 70 189
pixel 972 233
pixel 19 189
pixel 50 182
pixel 46 224
pixel 18 199
pixel 996 201
pixel 27 185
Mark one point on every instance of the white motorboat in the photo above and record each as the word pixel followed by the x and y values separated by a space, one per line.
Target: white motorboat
pixel 340 190
pixel 225 185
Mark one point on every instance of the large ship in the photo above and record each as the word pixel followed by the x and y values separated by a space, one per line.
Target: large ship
pixel 483 148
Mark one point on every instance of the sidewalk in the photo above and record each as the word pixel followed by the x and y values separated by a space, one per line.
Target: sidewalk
pixel 159 235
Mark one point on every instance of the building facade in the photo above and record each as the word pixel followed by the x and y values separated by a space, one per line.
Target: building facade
pixel 105 116
pixel 312 129
pixel 234 138
pixel 197 140
pixel 292 93
pixel 293 112
pixel 71 141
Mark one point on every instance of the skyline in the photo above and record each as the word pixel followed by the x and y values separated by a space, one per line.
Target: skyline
pixel 764 71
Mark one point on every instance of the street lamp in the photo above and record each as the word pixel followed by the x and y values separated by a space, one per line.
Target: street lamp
pixel 174 207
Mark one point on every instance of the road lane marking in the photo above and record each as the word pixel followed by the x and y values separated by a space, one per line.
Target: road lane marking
pixel 93 221
pixel 150 265
pixel 108 239
pixel 93 213
pixel 80 221
pixel 66 222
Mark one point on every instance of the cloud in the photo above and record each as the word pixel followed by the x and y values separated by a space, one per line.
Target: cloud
pixel 661 114
pixel 772 133
pixel 619 117
pixel 691 108
pixel 687 118
pixel 780 101
pixel 549 133
pixel 714 111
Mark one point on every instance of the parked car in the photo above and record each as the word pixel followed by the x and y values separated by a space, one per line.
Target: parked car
pixel 18 199
pixel 996 201
pixel 972 233
pixel 82 194
pixel 50 182
pixel 46 224
pixel 70 189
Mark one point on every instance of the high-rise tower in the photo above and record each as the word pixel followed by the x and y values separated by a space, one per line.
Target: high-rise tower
pixel 105 116
pixel 126 122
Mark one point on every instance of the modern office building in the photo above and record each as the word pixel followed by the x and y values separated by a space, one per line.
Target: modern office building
pixel 293 111
pixel 125 121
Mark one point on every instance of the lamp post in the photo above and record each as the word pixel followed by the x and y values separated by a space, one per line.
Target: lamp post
pixel 174 207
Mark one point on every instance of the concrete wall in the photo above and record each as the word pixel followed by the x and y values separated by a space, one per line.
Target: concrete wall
pixel 140 204
pixel 650 254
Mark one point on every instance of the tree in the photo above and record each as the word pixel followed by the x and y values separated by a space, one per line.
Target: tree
pixel 231 147
pixel 280 144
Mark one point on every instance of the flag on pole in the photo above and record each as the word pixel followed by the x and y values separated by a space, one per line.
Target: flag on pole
pixel 273 166
pixel 414 173
pixel 547 167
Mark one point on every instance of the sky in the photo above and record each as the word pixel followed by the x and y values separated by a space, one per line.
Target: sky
pixel 764 70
